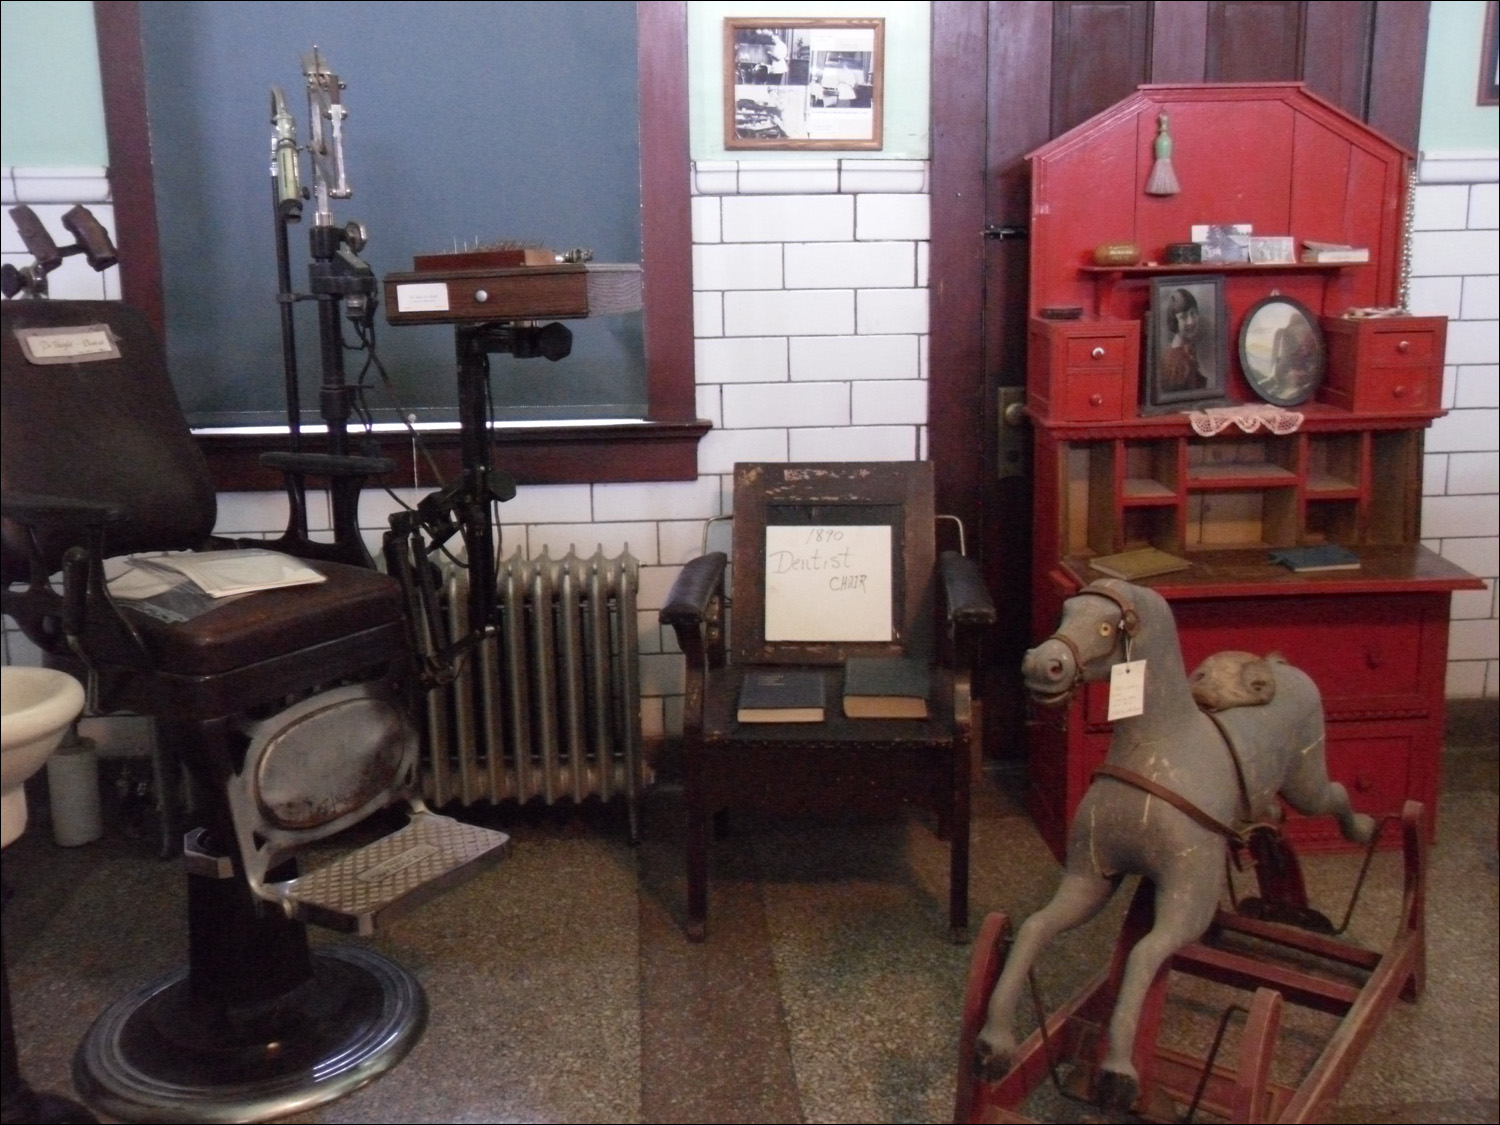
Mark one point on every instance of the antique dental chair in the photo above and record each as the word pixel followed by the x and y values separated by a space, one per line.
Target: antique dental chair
pixel 288 709
pixel 840 764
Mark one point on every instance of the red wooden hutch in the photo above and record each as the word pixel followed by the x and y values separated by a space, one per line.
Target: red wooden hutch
pixel 1108 478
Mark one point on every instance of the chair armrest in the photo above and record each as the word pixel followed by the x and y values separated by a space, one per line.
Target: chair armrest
pixel 968 601
pixel 328 464
pixel 687 602
pixel 58 513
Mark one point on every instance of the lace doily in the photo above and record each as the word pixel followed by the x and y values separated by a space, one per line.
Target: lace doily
pixel 1249 417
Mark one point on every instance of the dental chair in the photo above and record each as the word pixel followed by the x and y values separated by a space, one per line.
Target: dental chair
pixel 288 709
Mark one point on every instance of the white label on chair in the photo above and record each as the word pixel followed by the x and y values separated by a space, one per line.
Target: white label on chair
pixel 86 343
pixel 1127 690
pixel 828 583
pixel 424 296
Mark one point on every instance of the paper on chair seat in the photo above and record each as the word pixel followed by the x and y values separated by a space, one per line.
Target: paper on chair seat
pixel 221 574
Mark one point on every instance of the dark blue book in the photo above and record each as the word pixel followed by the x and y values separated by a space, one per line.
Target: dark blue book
pixel 775 696
pixel 1324 556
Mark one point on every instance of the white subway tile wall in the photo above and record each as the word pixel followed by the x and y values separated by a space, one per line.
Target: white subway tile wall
pixel 810 315
pixel 1455 255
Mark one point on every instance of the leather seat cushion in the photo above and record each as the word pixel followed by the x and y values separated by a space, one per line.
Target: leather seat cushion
pixel 269 624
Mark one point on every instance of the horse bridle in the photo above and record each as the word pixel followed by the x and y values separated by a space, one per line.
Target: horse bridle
pixel 1130 623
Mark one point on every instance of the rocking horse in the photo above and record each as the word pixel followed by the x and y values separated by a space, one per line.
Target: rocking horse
pixel 1177 782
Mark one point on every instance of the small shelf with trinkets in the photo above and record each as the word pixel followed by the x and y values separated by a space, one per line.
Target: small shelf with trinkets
pixel 1109 478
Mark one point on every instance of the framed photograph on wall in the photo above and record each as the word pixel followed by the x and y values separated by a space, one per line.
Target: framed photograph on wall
pixel 1187 344
pixel 803 83
pixel 1489 58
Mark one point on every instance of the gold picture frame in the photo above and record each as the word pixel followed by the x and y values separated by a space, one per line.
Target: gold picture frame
pixel 803 83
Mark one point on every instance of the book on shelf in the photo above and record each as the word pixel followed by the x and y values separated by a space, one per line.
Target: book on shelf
pixel 1143 562
pixel 1324 556
pixel 886 687
pixel 1333 252
pixel 781 697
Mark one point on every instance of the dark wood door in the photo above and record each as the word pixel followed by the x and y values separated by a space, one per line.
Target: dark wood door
pixel 1006 78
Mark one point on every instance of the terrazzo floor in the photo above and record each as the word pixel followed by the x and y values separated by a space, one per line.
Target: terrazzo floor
pixel 561 987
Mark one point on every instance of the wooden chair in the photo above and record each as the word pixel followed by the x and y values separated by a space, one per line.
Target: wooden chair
pixel 838 765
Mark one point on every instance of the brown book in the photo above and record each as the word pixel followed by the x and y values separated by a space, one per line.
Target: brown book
pixel 885 687
pixel 1140 563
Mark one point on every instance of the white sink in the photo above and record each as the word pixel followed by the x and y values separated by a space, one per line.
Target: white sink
pixel 39 703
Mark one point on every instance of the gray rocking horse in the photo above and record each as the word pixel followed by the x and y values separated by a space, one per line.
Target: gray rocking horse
pixel 1175 780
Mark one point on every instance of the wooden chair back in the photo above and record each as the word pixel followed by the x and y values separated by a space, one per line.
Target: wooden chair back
pixel 812 531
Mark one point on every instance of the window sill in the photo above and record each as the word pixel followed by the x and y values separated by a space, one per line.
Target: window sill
pixel 561 454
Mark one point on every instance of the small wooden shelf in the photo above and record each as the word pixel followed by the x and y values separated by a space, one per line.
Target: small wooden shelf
pixel 1147 270
pixel 1331 488
pixel 1240 474
pixel 1145 492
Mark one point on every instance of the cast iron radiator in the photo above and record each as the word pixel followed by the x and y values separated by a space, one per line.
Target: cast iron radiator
pixel 549 707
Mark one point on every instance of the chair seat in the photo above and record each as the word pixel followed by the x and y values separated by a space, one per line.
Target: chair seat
pixel 254 628
pixel 842 765
pixel 721 701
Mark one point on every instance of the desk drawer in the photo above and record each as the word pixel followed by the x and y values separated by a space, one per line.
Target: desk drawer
pixel 1099 351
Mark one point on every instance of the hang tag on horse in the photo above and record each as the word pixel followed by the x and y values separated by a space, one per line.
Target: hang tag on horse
pixel 1127 690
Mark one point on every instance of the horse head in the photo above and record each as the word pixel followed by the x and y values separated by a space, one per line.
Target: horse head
pixel 1096 624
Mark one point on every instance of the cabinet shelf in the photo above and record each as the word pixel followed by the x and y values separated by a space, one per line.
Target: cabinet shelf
pixel 1146 270
pixel 1240 475
pixel 1139 493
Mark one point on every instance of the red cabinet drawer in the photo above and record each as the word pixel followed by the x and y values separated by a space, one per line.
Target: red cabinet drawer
pixel 1363 653
pixel 1096 351
pixel 1091 397
pixel 1403 346
pixel 1394 389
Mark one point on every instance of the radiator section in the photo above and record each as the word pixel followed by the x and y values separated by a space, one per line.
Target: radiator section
pixel 549 706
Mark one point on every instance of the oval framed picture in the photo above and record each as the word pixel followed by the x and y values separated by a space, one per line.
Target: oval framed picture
pixel 1282 351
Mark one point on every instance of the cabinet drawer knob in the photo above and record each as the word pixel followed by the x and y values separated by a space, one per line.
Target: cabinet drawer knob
pixel 1398 392
pixel 481 295
pixel 1097 353
pixel 1404 346
pixel 1096 400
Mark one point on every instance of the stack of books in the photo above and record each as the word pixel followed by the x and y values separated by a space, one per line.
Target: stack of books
pixel 1333 252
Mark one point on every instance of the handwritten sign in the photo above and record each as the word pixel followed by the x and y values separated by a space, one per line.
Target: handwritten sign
pixel 828 583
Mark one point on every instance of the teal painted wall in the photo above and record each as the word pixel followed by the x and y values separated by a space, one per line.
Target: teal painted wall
pixel 1450 117
pixel 53 111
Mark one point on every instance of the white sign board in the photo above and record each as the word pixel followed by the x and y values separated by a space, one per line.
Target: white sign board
pixel 828 583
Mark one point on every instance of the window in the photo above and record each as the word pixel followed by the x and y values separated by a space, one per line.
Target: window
pixel 663 446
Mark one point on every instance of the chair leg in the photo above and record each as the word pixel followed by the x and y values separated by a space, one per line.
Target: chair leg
pixel 958 844
pixel 698 832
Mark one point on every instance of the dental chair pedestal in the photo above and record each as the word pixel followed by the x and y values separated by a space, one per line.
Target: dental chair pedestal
pixel 257 1026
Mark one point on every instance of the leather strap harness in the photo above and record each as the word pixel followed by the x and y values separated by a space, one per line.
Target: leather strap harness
pixel 1129 624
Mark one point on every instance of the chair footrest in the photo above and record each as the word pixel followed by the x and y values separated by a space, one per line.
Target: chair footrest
pixel 390 876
